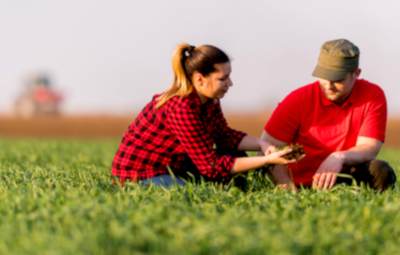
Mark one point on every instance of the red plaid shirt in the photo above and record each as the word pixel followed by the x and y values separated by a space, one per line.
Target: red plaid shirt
pixel 166 136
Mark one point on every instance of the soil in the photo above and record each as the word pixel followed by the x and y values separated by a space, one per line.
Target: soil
pixel 94 127
pixel 296 153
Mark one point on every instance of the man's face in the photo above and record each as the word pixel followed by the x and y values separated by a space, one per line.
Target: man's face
pixel 339 91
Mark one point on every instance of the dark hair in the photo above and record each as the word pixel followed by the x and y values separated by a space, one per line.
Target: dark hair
pixel 186 60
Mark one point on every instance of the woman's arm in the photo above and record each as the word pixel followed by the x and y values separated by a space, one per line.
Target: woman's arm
pixel 250 143
pixel 225 136
pixel 245 164
pixel 188 127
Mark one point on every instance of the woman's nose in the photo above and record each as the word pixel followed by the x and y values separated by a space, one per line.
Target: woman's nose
pixel 230 83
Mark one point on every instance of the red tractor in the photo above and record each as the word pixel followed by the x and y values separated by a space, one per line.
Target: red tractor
pixel 38 99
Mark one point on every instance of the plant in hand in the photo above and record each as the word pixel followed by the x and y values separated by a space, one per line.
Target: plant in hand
pixel 296 153
pixel 261 175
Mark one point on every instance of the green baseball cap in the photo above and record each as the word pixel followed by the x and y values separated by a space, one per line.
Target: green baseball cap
pixel 337 58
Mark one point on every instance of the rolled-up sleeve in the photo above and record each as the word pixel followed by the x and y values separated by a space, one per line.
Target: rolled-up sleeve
pixel 285 120
pixel 191 131
pixel 224 135
pixel 374 123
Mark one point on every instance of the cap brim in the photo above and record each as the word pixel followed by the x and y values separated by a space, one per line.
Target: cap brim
pixel 329 74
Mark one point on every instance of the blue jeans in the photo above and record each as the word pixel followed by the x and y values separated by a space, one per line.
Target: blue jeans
pixel 165 180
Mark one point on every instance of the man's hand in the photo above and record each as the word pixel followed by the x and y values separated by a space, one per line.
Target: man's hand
pixel 325 177
pixel 366 149
pixel 288 186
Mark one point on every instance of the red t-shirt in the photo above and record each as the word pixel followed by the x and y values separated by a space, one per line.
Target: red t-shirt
pixel 307 117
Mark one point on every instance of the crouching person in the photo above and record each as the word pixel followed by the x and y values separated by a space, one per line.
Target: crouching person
pixel 340 120
pixel 179 128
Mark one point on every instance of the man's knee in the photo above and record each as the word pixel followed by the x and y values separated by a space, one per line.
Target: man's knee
pixel 382 174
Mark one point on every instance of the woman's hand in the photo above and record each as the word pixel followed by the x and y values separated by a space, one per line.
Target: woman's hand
pixel 266 147
pixel 270 157
pixel 275 158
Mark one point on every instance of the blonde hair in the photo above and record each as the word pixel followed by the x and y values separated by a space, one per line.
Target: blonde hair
pixel 186 60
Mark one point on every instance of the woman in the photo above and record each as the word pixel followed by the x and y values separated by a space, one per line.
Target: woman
pixel 179 128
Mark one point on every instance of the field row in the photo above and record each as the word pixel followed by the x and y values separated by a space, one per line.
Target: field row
pixel 56 197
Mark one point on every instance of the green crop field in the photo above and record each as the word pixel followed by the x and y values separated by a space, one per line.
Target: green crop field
pixel 56 197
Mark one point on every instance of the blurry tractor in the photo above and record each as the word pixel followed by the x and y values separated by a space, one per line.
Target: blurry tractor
pixel 38 99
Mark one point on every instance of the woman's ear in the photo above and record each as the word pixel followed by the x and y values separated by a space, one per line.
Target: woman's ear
pixel 198 79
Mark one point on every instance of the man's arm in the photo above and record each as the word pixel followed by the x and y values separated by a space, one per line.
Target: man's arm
pixel 282 127
pixel 279 174
pixel 366 149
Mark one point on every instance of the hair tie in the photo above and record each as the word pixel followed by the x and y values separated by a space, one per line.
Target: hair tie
pixel 191 48
pixel 189 51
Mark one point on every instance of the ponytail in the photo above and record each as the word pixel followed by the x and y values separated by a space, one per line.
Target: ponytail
pixel 185 61
pixel 182 85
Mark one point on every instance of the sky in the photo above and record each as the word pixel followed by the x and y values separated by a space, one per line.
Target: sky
pixel 111 57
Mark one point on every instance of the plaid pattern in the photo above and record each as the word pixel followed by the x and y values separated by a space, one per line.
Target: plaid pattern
pixel 167 136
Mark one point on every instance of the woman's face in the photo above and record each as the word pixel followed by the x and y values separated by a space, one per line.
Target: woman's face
pixel 216 84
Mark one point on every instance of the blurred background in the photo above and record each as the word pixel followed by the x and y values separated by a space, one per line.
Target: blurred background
pixel 86 68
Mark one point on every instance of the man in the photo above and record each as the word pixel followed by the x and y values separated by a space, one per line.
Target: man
pixel 340 120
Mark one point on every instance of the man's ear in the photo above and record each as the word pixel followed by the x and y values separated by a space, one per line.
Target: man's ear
pixel 357 73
